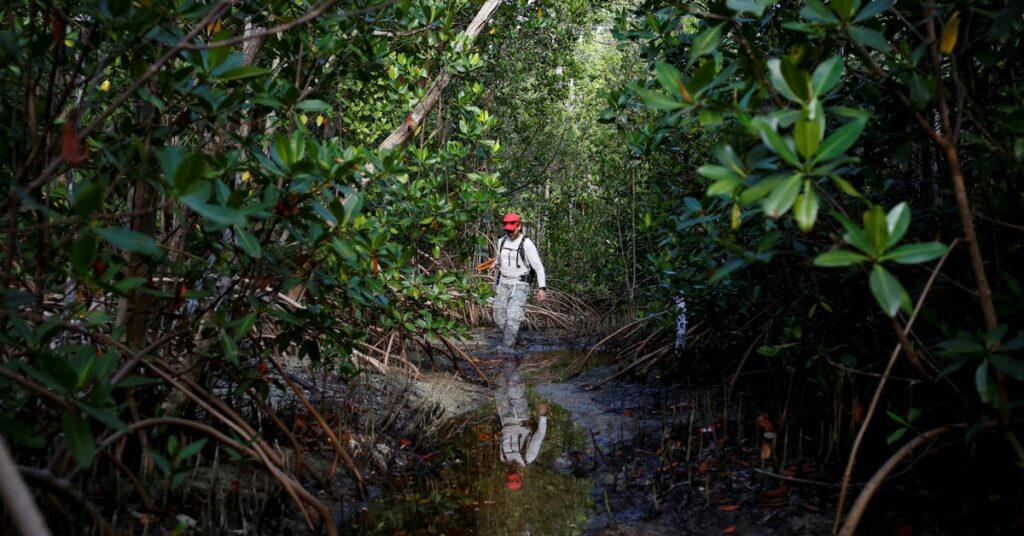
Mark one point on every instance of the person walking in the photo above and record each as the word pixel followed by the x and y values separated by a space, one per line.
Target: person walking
pixel 517 259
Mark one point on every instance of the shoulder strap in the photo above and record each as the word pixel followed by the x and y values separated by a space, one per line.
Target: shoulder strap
pixel 522 254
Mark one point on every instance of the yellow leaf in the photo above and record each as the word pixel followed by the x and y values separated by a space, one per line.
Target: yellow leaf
pixel 950 32
pixel 246 176
pixel 69 43
pixel 319 120
pixel 105 86
pixel 304 119
pixel 736 219
pixel 540 13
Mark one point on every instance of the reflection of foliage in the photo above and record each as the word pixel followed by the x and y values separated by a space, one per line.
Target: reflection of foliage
pixel 467 491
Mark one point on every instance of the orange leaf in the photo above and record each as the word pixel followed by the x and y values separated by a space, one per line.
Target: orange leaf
pixel 764 424
pixel 703 467
pixel 766 450
pixel 729 507
pixel 405 442
pixel 70 148
pixel 777 492
pixel 858 413
pixel 627 412
pixel 905 530
pixel 729 530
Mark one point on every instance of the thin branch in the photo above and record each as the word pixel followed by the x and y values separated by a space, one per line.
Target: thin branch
pixel 852 460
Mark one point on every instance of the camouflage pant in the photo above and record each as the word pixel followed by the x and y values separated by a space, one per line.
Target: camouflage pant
pixel 510 397
pixel 509 310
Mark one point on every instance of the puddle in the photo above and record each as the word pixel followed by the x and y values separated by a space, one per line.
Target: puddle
pixel 459 485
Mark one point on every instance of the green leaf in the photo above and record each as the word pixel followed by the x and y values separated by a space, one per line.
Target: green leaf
pixel 807 135
pixel 190 450
pixel 826 75
pixel 780 82
pixel 138 381
pixel 874 8
pixel 814 11
pixel 916 253
pixel 758 190
pixel 78 438
pixel 756 7
pixel 129 240
pixel 218 214
pixel 723 186
pixel 895 436
pixel 718 173
pixel 782 197
pixel 20 432
pixel 659 101
pixel 352 204
pixel 987 389
pixel 313 106
pixel 706 42
pixel 726 269
pixel 241 73
pixel 87 197
pixel 838 258
pixel 670 78
pixel 806 208
pixel 886 289
pixel 1008 365
pixel 775 142
pixel 230 348
pixel 249 244
pixel 797 79
pixel 869 38
pixel 728 157
pixel 83 251
pixel 837 143
pixel 108 418
pixel 898 221
pixel 876 230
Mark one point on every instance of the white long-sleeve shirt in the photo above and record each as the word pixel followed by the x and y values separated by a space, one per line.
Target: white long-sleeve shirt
pixel 509 255
pixel 515 437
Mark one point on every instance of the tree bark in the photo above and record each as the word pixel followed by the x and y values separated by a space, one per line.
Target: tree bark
pixel 412 121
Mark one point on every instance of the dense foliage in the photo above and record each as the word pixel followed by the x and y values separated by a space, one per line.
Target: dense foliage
pixel 193 194
pixel 821 158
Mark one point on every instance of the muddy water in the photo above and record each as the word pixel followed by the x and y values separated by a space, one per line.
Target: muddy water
pixel 461 486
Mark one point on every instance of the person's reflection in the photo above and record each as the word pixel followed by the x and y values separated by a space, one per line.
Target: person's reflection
pixel 519 446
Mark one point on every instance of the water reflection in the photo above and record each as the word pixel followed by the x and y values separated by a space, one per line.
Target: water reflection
pixel 491 481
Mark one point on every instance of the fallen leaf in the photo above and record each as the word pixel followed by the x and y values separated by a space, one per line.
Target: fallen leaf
pixel 729 530
pixel 405 442
pixel 766 450
pixel 858 414
pixel 729 507
pixel 627 412
pixel 777 492
pixel 764 423
pixel 905 530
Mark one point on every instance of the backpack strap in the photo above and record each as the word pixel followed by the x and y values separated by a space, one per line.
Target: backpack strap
pixel 522 254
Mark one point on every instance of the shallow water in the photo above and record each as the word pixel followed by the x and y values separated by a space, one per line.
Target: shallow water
pixel 461 487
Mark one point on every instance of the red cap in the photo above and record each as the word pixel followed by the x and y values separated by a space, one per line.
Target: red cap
pixel 511 221
pixel 513 481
